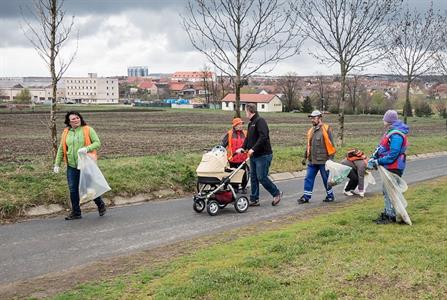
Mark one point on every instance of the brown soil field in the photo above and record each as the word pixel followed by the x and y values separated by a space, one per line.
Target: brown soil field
pixel 134 133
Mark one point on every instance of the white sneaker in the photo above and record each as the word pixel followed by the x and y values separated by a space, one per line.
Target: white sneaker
pixel 348 193
pixel 362 194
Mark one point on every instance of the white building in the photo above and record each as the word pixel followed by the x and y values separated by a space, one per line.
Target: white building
pixel 39 94
pixel 91 89
pixel 264 102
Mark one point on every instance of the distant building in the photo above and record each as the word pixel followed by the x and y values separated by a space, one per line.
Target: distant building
pixel 264 102
pixel 195 76
pixel 39 87
pixel 137 71
pixel 91 89
pixel 149 86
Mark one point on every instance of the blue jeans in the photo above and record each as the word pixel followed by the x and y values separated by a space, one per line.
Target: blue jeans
pixel 259 171
pixel 389 209
pixel 73 176
pixel 311 173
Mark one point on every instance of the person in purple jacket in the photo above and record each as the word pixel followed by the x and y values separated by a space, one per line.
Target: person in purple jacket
pixel 391 155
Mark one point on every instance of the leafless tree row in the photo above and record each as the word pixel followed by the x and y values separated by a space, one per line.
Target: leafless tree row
pixel 243 37
pixel 353 34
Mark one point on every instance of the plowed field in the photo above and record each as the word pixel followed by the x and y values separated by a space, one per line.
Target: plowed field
pixel 135 133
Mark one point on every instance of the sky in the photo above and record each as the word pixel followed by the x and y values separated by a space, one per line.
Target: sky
pixel 115 34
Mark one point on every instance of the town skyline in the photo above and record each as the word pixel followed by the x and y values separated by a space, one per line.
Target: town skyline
pixel 114 35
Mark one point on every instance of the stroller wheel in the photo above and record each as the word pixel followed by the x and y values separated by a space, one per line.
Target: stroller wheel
pixel 212 208
pixel 241 204
pixel 199 205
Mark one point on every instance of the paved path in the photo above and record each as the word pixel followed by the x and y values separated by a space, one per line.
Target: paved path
pixel 41 246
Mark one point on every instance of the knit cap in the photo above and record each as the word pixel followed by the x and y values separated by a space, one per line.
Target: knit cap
pixel 390 116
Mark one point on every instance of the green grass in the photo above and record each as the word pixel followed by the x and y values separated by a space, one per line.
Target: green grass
pixel 337 255
pixel 31 183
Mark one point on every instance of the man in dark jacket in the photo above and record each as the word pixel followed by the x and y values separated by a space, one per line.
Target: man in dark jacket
pixel 257 143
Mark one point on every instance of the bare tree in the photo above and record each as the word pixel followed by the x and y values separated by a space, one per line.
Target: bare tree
pixel 207 83
pixel 413 44
pixel 364 100
pixel 441 107
pixel 48 37
pixel 323 94
pixel 347 32
pixel 352 85
pixel 289 86
pixel 241 37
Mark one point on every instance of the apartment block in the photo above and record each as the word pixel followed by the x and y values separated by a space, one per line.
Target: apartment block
pixel 91 89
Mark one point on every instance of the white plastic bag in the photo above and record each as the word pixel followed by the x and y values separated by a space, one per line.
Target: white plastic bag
pixel 395 187
pixel 92 183
pixel 368 179
pixel 337 172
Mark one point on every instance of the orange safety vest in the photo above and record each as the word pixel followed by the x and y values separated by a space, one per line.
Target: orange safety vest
pixel 238 144
pixel 327 142
pixel 87 142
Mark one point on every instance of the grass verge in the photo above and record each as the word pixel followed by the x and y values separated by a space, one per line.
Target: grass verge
pixel 341 254
pixel 31 183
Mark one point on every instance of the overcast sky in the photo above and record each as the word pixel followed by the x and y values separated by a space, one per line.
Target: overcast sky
pixel 115 34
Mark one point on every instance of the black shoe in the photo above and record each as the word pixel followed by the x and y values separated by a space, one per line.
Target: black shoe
pixel 254 203
pixel 385 219
pixel 302 200
pixel 329 199
pixel 381 217
pixel 102 210
pixel 72 216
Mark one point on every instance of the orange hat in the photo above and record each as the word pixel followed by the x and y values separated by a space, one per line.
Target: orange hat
pixel 237 121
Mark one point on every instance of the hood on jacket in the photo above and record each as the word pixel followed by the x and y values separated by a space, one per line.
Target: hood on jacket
pixel 401 126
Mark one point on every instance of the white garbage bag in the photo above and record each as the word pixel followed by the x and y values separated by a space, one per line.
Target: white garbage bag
pixel 368 179
pixel 337 172
pixel 92 183
pixel 395 187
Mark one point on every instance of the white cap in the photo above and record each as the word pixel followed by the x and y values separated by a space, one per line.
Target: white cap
pixel 315 113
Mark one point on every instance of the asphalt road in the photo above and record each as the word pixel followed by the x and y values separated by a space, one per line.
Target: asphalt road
pixel 41 246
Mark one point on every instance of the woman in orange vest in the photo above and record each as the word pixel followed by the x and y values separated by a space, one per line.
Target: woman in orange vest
pixel 76 138
pixel 233 140
pixel 320 148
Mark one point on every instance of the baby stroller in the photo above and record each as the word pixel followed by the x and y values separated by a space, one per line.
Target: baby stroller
pixel 218 185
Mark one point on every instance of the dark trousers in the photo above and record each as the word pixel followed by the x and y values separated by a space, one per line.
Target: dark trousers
pixel 259 171
pixel 309 180
pixel 73 176
pixel 353 181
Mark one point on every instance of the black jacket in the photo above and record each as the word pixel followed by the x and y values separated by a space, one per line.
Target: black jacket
pixel 258 137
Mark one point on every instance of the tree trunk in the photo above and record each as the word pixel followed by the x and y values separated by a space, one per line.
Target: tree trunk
pixel 341 107
pixel 52 124
pixel 238 95
pixel 238 70
pixel 407 99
